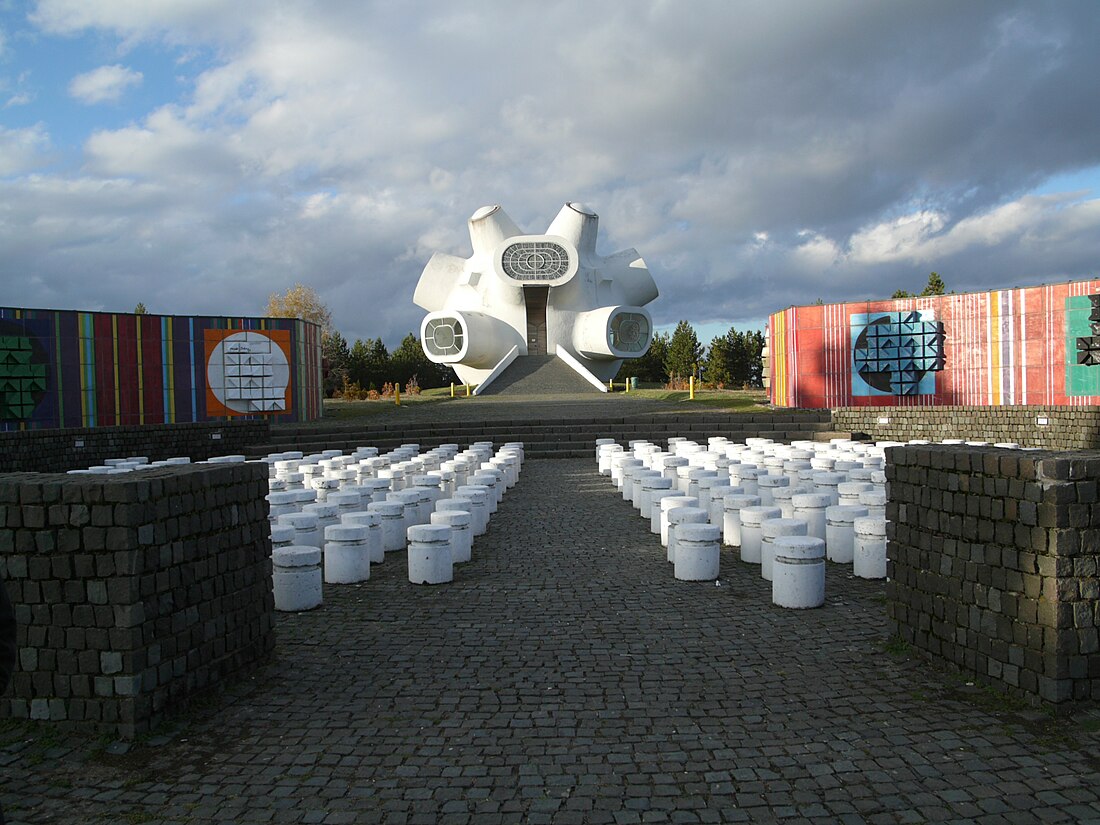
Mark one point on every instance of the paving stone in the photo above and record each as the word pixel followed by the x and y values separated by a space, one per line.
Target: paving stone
pixel 566 661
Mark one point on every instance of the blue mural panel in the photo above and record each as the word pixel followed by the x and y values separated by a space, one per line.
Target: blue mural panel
pixel 896 353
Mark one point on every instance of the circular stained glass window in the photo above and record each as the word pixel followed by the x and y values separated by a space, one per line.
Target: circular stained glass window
pixel 535 261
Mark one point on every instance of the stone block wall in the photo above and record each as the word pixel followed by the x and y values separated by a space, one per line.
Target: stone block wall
pixel 1065 427
pixel 133 592
pixel 993 558
pixel 57 451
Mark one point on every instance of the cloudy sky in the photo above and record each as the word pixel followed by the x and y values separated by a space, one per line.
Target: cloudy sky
pixel 197 155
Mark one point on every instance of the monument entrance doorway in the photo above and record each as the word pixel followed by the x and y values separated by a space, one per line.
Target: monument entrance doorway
pixel 535 298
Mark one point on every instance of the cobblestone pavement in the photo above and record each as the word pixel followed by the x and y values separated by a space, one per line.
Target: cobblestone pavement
pixel 566 677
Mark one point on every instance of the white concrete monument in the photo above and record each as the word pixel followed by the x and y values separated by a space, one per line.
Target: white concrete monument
pixel 521 295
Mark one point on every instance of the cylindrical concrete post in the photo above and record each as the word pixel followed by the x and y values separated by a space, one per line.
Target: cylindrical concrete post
pixel 430 554
pixel 715 500
pixel 373 522
pixel 478 498
pixel 770 530
pixel 462 539
pixel 751 533
pixel 669 503
pixel 306 531
pixel 282 535
pixel 869 556
pixel 296 578
pixel 639 478
pixel 698 549
pixel 810 507
pixel 848 493
pixel 392 516
pixel 875 502
pixel 745 477
pixel 766 487
pixel 798 572
pixel 347 554
pixel 649 487
pixel 731 516
pixel 677 517
pixel 826 484
pixel 840 531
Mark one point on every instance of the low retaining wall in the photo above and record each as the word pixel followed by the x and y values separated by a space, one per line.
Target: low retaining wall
pixel 57 451
pixel 993 557
pixel 1049 427
pixel 132 592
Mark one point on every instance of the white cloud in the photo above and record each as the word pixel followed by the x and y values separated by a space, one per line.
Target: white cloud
pixel 22 150
pixel 755 158
pixel 104 85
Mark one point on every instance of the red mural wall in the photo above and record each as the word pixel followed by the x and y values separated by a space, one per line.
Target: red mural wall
pixel 1032 345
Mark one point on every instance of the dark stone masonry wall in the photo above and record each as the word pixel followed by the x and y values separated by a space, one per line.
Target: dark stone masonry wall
pixel 57 451
pixel 1066 428
pixel 133 592
pixel 993 558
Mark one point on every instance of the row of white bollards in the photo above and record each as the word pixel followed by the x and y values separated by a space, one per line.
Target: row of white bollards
pixel 427 513
pixel 787 508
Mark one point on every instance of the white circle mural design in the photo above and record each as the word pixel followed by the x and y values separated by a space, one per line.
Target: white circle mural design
pixel 248 373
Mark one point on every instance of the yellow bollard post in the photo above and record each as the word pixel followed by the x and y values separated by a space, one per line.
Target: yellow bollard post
pixel 397 394
pixel 452 389
pixel 691 388
pixel 610 385
pixel 467 390
pixel 627 387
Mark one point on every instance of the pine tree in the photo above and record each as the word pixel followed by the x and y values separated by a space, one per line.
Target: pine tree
pixel 684 351
pixel 935 286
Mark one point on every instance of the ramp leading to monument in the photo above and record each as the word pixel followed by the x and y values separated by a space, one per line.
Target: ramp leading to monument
pixel 539 375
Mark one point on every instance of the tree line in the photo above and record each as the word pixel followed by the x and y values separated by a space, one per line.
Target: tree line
pixel 734 359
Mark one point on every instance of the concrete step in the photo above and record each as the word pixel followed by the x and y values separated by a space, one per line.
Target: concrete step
pixel 539 375
pixel 548 438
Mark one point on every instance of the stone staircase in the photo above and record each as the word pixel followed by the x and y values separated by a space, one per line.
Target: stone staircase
pixel 549 436
pixel 539 375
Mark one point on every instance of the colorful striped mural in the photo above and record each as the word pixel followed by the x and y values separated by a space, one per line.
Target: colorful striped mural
pixel 65 368
pixel 1032 345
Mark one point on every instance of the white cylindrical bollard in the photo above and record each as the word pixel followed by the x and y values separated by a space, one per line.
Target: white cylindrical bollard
pixel 875 502
pixel 282 535
pixel 678 516
pixel 840 531
pixel 479 496
pixel 462 539
pixel 869 556
pixel 751 534
pixel 296 578
pixel 306 531
pixel 620 464
pixel 669 503
pixel 826 484
pixel 392 516
pixel 746 477
pixel 650 486
pixel 798 572
pixel 282 504
pixel 347 554
pixel 716 503
pixel 848 492
pixel 373 522
pixel 770 530
pixel 655 508
pixel 698 549
pixel 326 516
pixel 731 516
pixel 639 478
pixel 766 487
pixel 430 554
pixel 323 486
pixel 810 507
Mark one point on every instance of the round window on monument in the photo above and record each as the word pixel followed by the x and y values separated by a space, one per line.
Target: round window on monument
pixel 443 336
pixel 629 332
pixel 535 261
